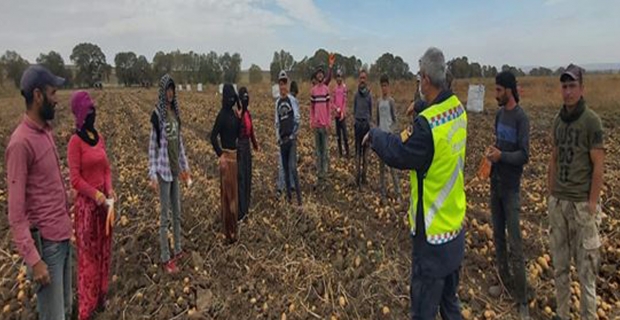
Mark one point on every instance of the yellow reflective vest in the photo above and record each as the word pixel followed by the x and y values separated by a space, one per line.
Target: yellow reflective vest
pixel 443 197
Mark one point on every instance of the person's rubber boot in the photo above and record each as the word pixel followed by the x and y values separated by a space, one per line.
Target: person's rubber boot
pixel 171 267
pixel 496 291
pixel 524 312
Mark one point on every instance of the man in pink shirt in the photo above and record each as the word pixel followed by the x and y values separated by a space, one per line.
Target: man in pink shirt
pixel 320 117
pixel 38 213
pixel 339 98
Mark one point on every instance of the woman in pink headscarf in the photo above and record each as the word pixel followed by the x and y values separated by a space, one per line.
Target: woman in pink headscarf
pixel 90 177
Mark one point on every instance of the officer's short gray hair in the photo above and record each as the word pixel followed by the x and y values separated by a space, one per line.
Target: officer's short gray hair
pixel 433 65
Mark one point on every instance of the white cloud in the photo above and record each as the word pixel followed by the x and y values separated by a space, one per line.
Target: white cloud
pixel 306 11
pixel 255 28
pixel 142 26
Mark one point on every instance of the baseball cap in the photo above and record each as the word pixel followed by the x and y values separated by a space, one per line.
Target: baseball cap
pixel 339 73
pixel 574 72
pixel 38 76
pixel 282 76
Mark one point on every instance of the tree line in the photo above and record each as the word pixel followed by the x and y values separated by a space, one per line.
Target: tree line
pixel 90 66
pixel 394 66
pixel 461 68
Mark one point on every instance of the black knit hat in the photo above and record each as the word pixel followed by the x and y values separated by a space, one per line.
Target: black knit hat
pixel 508 80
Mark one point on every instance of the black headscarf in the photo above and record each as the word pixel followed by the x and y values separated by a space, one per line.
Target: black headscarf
pixel 229 96
pixel 244 98
pixel 89 126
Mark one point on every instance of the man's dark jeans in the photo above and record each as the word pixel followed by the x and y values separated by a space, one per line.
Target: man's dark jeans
pixel 505 209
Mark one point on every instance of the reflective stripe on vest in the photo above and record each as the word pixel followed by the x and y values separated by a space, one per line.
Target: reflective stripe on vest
pixel 443 198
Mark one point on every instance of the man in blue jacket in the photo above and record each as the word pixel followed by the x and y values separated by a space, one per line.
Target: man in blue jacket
pixel 434 153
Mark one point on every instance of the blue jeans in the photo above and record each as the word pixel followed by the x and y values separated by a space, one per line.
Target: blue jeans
pixel 281 186
pixel 54 301
pixel 170 199
pixel 288 151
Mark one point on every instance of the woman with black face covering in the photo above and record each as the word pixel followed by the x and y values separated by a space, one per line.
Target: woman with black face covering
pixel 227 127
pixel 244 154
pixel 90 177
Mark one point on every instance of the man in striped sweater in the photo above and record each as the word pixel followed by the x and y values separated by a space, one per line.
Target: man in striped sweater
pixel 320 117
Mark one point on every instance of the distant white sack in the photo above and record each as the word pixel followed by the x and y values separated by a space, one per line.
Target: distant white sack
pixel 475 98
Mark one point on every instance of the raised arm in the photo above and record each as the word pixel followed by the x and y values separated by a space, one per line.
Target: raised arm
pixel 413 154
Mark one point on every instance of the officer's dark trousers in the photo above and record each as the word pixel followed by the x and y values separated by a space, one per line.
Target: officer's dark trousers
pixel 431 295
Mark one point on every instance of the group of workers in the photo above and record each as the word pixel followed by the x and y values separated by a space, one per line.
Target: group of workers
pixel 432 149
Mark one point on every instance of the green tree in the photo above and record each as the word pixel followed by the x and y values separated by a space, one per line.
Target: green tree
pixel 489 71
pixel 143 71
pixel 459 67
pixel 54 62
pixel 90 63
pixel 162 64
pixel 392 66
pixel 210 70
pixel 302 69
pixel 350 66
pixel 231 66
pixel 256 74
pixel 14 66
pixel 475 70
pixel 541 71
pixel 282 60
pixel 514 70
pixel 126 68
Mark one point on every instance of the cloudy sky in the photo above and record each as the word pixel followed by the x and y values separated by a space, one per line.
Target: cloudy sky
pixel 527 32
